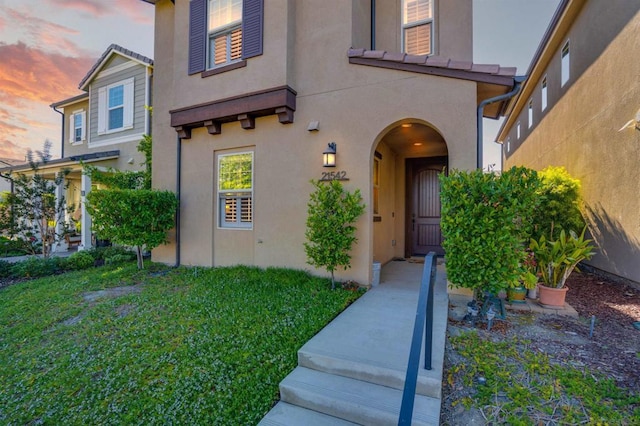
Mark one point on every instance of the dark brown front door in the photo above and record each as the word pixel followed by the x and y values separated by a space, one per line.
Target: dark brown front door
pixel 424 205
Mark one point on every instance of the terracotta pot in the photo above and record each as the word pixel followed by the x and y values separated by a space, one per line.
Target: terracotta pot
pixel 552 296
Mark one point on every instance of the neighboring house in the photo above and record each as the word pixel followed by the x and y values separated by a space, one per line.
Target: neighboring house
pixel 101 127
pixel 5 184
pixel 256 90
pixel 579 108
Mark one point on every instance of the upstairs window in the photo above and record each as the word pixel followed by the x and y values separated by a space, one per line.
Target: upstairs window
pixel 235 190
pixel 564 71
pixel 508 144
pixel 225 31
pixel 77 132
pixel 417 26
pixel 544 94
pixel 115 107
pixel 530 113
pixel 518 130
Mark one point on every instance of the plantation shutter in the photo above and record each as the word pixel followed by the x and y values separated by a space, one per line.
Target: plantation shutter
pixel 197 36
pixel 128 103
pixel 102 110
pixel 252 28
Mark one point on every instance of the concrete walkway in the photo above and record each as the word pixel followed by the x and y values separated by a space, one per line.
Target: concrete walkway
pixel 353 371
pixel 15 259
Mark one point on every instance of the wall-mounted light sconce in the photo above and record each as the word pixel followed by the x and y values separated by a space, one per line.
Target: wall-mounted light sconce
pixel 329 155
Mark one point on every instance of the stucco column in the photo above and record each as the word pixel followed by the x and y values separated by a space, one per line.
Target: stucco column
pixel 85 235
pixel 60 244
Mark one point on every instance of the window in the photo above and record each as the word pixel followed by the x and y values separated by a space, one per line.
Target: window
pixel 544 94
pixel 417 26
pixel 530 113
pixel 235 190
pixel 77 127
pixel 564 71
pixel 508 144
pixel 115 107
pixel 376 186
pixel 224 32
pixel 518 130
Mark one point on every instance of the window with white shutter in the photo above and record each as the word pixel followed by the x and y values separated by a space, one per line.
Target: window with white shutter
pixel 77 127
pixel 417 27
pixel 115 107
pixel 235 190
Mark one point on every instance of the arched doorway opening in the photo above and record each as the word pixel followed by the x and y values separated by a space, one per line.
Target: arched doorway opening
pixel 406 163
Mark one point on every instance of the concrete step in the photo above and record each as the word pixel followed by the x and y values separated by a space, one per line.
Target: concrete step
pixel 429 381
pixel 353 400
pixel 284 414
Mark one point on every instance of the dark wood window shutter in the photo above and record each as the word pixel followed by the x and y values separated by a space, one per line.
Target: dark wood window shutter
pixel 197 36
pixel 252 28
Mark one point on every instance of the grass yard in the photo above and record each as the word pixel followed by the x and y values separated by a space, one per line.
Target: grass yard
pixel 181 346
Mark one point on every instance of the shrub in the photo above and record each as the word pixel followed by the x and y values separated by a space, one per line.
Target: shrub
pixel 560 204
pixel 36 267
pixel 79 260
pixel 5 269
pixel 486 226
pixel 12 247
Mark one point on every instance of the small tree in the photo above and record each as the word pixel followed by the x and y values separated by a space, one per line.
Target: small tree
pixel 133 217
pixel 330 231
pixel 32 211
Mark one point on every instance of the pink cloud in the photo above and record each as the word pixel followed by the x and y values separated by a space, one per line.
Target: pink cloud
pixel 137 11
pixel 10 150
pixel 10 128
pixel 32 74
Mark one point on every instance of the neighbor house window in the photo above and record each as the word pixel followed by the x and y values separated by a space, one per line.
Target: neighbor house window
pixel 77 132
pixel 530 113
pixel 115 107
pixel 417 26
pixel 225 31
pixel 235 190
pixel 518 130
pixel 544 94
pixel 508 144
pixel 564 71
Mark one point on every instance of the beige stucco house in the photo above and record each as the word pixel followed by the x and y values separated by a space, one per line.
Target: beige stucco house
pixel 580 108
pixel 259 89
pixel 102 126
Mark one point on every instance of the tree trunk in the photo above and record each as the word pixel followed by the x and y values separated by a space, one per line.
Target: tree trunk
pixel 139 255
pixel 333 281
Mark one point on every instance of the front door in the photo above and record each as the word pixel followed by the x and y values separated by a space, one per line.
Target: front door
pixel 424 205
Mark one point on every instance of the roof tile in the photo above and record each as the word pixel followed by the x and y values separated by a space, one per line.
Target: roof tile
pixel 460 65
pixel 394 56
pixel 355 53
pixel 485 68
pixel 374 54
pixel 438 61
pixel 415 59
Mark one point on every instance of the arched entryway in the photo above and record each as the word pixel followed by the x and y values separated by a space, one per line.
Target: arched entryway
pixel 406 163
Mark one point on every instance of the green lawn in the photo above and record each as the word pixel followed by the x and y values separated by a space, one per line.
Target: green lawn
pixel 192 346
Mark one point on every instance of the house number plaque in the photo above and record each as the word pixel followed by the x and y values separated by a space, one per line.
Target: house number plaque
pixel 339 175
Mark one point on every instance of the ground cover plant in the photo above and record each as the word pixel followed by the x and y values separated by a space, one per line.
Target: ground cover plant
pixel 115 345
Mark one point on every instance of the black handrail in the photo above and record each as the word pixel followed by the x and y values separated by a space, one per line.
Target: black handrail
pixel 424 314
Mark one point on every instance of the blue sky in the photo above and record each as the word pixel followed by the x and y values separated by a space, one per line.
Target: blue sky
pixel 47 46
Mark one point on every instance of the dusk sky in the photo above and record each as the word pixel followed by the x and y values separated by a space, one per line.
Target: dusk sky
pixel 47 47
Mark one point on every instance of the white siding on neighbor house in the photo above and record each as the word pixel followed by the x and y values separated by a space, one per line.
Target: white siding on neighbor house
pixel 139 74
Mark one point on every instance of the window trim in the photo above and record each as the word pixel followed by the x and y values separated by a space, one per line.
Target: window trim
pixel 530 113
pixel 428 21
pixel 238 195
pixel 518 130
pixel 544 94
pixel 565 63
pixel 376 187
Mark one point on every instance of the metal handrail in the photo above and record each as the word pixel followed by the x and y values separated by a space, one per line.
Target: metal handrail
pixel 424 316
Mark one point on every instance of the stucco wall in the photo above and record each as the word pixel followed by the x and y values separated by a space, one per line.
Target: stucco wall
pixel 353 104
pixel 580 132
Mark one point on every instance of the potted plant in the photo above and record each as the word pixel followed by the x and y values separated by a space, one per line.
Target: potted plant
pixel 556 261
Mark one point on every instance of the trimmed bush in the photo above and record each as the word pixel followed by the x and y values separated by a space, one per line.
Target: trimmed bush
pixel 486 226
pixel 5 269
pixel 37 267
pixel 79 260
